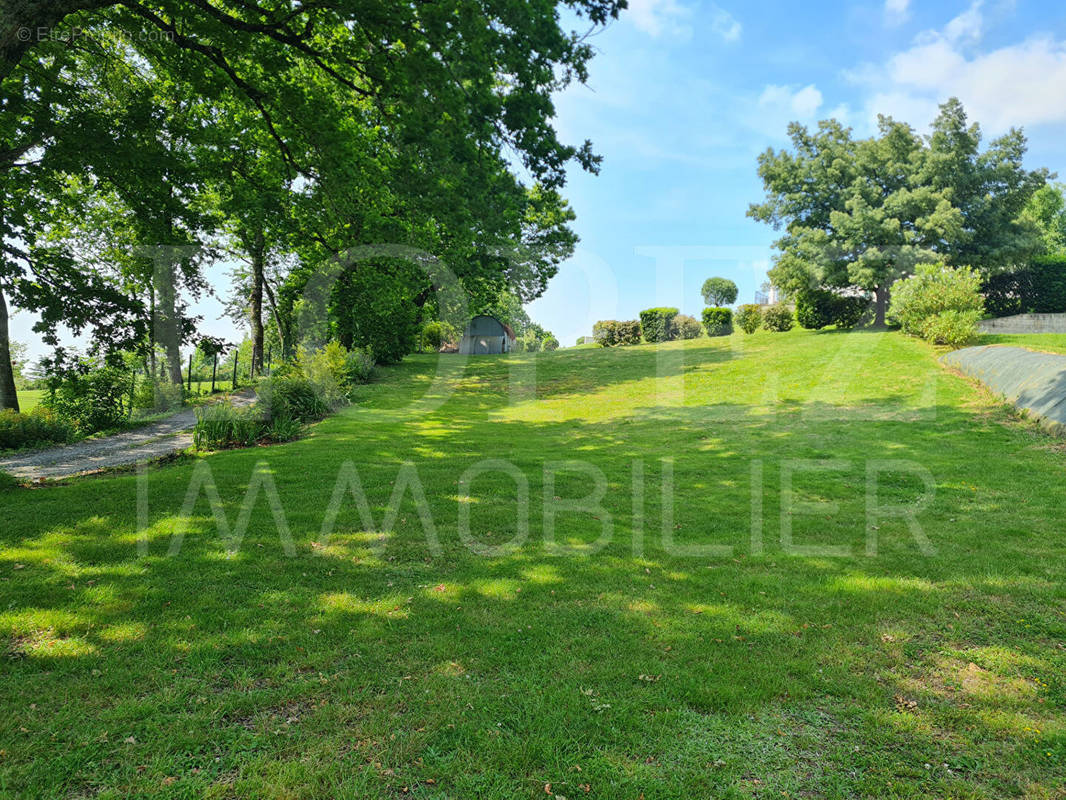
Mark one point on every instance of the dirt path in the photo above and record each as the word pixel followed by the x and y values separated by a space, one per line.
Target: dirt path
pixel 152 441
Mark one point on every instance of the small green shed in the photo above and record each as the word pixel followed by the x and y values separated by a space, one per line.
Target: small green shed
pixel 486 335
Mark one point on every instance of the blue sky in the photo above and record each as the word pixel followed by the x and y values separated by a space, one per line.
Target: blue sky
pixel 683 95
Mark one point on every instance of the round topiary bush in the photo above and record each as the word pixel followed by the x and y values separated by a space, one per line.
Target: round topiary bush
pixel 718 321
pixel 749 318
pixel 777 318
pixel 686 327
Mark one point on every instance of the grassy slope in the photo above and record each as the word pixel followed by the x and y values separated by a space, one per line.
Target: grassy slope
pixel 350 671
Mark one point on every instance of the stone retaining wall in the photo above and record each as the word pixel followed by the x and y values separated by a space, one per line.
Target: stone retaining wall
pixel 1025 323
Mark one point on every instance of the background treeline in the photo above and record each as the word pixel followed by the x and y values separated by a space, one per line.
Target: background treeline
pixel 142 141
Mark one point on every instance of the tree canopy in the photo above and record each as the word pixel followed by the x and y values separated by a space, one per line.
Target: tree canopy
pixel 303 127
pixel 719 292
pixel 862 213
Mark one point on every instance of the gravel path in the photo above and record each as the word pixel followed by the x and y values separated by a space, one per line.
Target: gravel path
pixel 149 442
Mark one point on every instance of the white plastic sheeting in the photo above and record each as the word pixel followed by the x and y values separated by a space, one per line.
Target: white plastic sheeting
pixel 1029 380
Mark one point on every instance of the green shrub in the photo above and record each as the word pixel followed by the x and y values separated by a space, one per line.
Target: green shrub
pixel 819 308
pixel 283 429
pixel 777 318
pixel 294 396
pixel 953 328
pixel 220 426
pixel 550 343
pixel 372 307
pixel 8 482
pixel 718 321
pixel 605 333
pixel 611 333
pixel 686 327
pixel 158 396
pixel 938 303
pixel 327 368
pixel 432 335
pixel 655 324
pixel 88 395
pixel 359 365
pixel 749 318
pixel 815 308
pixel 40 428
pixel 629 332
pixel 850 311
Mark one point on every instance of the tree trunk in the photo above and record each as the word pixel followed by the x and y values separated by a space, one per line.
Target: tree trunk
pixel 150 364
pixel 166 326
pixel 258 258
pixel 880 306
pixel 8 395
pixel 279 320
pixel 24 23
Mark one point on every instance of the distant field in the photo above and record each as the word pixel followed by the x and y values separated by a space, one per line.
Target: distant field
pixel 204 387
pixel 29 398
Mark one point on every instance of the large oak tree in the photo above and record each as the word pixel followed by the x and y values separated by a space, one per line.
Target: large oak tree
pixel 862 213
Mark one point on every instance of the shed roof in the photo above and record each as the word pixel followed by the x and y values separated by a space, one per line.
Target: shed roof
pixel 486 325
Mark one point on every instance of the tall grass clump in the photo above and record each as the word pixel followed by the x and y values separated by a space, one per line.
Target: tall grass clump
pixel 40 428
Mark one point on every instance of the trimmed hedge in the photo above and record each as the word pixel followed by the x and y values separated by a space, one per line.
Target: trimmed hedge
pixel 818 308
pixel 749 317
pixel 686 327
pixel 656 324
pixel 777 318
pixel 1039 288
pixel 718 321
pixel 611 332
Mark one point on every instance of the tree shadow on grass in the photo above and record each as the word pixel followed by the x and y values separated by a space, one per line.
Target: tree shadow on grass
pixel 369 663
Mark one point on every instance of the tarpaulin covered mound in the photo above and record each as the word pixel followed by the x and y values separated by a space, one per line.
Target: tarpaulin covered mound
pixel 1030 380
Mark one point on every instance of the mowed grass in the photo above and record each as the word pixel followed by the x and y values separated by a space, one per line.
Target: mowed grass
pixel 1047 342
pixel 605 655
pixel 29 399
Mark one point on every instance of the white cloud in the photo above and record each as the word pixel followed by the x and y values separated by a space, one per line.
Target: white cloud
pixel 967 26
pixel 897 11
pixel 660 17
pixel 1018 84
pixel 725 24
pixel 803 103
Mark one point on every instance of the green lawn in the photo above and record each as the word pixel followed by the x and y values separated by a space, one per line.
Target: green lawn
pixel 29 398
pixel 1050 342
pixel 370 666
